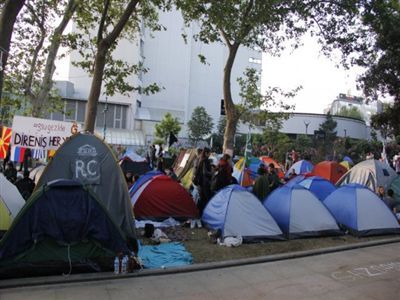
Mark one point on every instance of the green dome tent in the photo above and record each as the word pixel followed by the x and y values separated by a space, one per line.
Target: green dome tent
pixel 87 159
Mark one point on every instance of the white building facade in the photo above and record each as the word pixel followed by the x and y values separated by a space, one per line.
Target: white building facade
pixel 366 109
pixel 186 83
pixel 174 65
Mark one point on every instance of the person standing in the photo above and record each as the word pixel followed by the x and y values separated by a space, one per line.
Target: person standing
pixel 10 172
pixel 273 177
pixel 261 185
pixel 203 178
pixel 223 174
pixel 196 161
pixel 397 164
pixel 25 185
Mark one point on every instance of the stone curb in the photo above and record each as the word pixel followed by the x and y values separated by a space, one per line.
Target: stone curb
pixel 80 278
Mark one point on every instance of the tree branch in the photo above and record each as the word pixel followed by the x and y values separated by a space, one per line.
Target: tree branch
pixel 102 21
pixel 113 35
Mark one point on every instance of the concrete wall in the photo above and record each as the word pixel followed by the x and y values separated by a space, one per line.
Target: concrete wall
pixel 296 124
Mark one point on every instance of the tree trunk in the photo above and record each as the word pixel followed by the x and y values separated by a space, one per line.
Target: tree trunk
pixel 9 13
pixel 230 110
pixel 95 89
pixel 103 45
pixel 47 81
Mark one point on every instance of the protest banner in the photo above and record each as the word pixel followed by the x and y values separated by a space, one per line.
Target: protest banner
pixel 35 133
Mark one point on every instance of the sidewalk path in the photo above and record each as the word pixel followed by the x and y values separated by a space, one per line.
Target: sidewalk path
pixel 368 273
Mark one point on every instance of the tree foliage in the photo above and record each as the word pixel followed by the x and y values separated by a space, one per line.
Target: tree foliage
pixel 102 25
pixel 388 121
pixel 168 125
pixel 200 124
pixel 329 130
pixel 352 112
pixel 8 15
pixel 264 25
pixel 255 107
pixel 38 34
pixel 374 44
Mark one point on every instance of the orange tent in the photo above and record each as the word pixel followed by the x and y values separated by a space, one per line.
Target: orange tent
pixel 268 160
pixel 329 170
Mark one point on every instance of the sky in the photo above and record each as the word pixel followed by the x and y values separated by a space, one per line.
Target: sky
pixel 321 79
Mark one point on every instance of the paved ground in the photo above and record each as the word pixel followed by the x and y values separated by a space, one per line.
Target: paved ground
pixel 368 273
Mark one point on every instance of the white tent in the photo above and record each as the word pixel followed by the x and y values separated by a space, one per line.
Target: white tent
pixel 371 173
pixel 11 202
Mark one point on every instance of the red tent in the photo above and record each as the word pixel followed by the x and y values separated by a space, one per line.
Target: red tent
pixel 329 170
pixel 268 160
pixel 161 197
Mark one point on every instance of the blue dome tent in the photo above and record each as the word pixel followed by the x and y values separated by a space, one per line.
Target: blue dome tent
pixel 299 213
pixel 358 209
pixel 319 186
pixel 237 212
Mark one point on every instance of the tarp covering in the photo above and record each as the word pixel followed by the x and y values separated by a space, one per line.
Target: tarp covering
pixel 11 202
pixel 67 213
pixel 164 256
pixel 136 167
pixel 319 186
pixel 35 173
pixel 371 173
pixel 330 170
pixel 361 211
pixel 86 158
pixel 299 213
pixel 237 212
pixel 161 197
pixel 184 162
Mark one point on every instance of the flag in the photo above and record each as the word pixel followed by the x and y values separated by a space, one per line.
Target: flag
pixel 17 154
pixel 383 154
pixel 247 154
pixel 39 154
pixel 5 140
pixel 50 153
pixel 172 139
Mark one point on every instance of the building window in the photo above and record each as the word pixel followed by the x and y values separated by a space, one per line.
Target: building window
pixel 123 125
pixel 117 116
pixel 81 111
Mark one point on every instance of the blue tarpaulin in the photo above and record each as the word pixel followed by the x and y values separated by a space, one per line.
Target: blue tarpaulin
pixel 164 256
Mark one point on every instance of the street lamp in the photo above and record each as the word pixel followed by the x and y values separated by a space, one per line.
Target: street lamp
pixel 345 132
pixel 306 122
pixel 105 118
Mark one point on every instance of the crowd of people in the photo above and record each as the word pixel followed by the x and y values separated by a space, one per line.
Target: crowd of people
pixel 24 184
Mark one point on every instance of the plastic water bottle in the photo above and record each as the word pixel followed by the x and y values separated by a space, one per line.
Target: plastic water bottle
pixel 124 264
pixel 116 265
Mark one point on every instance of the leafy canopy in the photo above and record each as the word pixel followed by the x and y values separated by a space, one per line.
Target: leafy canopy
pixel 200 124
pixel 352 112
pixel 168 125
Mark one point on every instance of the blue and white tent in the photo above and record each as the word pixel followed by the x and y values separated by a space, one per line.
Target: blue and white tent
pixel 301 167
pixel 319 186
pixel 299 213
pixel 358 209
pixel 237 212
